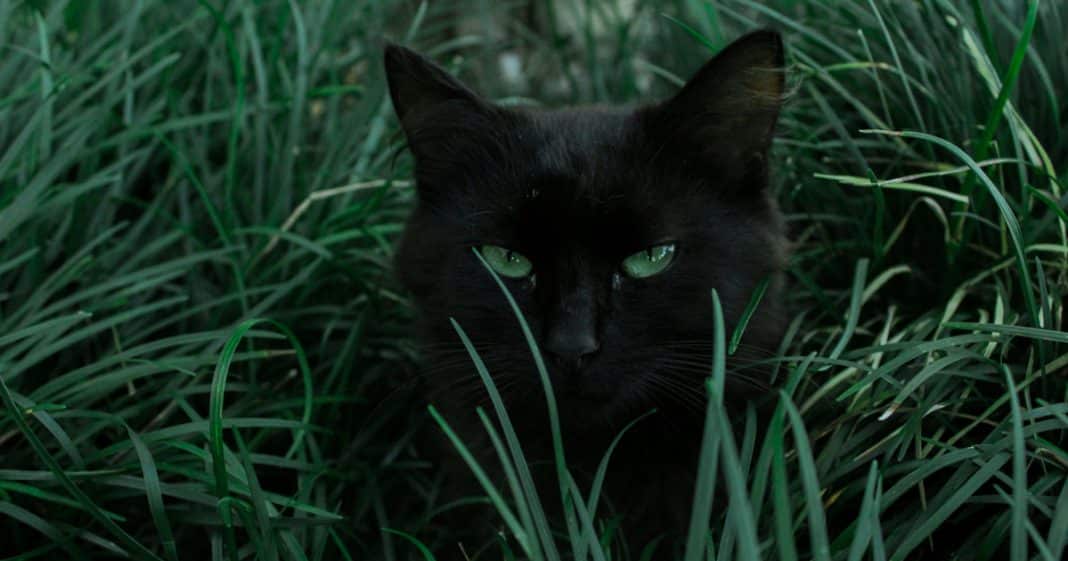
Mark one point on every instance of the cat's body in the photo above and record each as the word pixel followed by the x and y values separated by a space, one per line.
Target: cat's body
pixel 611 228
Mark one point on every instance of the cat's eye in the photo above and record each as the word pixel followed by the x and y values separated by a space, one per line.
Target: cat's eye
pixel 650 261
pixel 506 262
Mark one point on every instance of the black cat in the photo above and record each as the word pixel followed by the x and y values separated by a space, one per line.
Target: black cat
pixel 610 227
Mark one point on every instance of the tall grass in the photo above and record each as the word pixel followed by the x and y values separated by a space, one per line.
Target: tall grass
pixel 202 352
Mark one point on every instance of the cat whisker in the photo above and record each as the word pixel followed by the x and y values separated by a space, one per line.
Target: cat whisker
pixel 685 394
pixel 702 371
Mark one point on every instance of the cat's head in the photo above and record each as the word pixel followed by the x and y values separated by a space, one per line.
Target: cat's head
pixel 610 227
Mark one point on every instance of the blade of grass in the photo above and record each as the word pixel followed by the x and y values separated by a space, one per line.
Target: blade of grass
pixel 939 513
pixel 1018 543
pixel 747 314
pixel 550 402
pixel 540 540
pixel 708 460
pixel 817 524
pixel 1007 215
pixel 487 484
pixel 155 496
pixel 134 547
pixel 423 549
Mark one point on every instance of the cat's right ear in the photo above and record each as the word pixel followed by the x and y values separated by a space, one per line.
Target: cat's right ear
pixel 425 95
pixel 725 115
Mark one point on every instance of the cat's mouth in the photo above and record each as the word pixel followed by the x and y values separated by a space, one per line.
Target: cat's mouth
pixel 585 395
pixel 582 388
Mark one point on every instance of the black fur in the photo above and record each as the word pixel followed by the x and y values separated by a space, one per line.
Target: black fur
pixel 577 191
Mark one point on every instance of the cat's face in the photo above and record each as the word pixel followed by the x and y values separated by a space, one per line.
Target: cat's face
pixel 610 228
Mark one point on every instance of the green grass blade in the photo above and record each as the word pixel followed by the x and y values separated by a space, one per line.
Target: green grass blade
pixel 487 485
pixel 1018 543
pixel 853 314
pixel 708 460
pixel 540 539
pixel 423 549
pixel 155 495
pixel 747 314
pixel 817 523
pixel 940 513
pixel 134 547
pixel 1007 215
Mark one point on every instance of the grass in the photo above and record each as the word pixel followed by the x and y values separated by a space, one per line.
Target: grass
pixel 203 354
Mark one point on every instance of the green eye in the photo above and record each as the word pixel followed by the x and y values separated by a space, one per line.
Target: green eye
pixel 649 262
pixel 506 262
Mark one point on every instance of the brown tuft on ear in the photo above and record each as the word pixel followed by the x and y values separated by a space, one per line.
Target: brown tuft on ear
pixel 728 109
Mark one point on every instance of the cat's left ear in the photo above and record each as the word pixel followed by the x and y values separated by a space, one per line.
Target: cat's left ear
pixel 425 94
pixel 728 109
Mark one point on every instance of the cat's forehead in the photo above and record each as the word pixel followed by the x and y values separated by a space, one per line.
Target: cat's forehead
pixel 565 138
pixel 569 140
pixel 582 177
pixel 584 155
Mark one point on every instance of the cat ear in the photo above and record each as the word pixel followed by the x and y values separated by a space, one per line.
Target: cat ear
pixel 425 95
pixel 726 113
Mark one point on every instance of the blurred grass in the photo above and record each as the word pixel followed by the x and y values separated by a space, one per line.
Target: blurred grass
pixel 203 354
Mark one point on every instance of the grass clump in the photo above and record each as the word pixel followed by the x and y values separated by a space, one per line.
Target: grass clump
pixel 202 352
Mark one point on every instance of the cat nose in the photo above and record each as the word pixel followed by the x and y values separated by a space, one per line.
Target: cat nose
pixel 571 349
pixel 572 335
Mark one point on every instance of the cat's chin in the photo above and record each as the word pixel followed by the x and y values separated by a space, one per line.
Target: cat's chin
pixel 585 400
pixel 592 411
pixel 583 390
